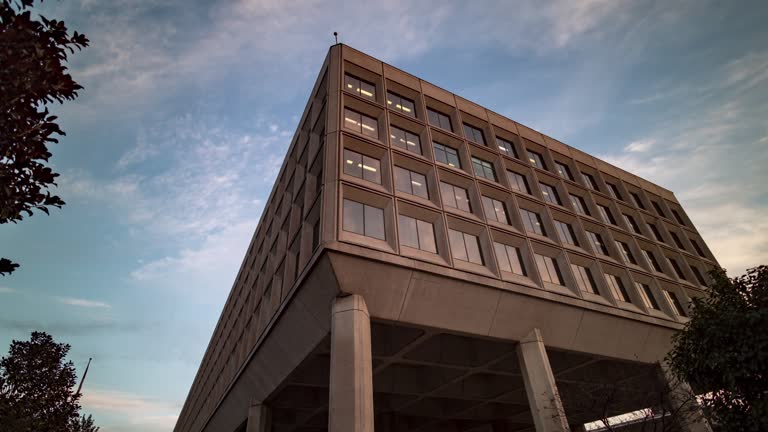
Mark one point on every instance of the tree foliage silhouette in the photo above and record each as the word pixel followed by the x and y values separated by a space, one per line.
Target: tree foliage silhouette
pixel 33 54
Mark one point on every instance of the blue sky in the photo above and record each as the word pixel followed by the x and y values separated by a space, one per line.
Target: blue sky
pixel 189 107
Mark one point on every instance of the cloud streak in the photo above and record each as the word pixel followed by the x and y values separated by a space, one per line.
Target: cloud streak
pixel 71 301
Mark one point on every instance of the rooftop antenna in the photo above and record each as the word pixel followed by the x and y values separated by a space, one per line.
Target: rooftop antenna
pixel 336 36
pixel 84 374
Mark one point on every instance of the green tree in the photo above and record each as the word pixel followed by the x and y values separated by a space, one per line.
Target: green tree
pixel 37 388
pixel 723 351
pixel 33 54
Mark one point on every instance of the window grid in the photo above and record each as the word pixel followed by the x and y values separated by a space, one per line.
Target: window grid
pixel 548 269
pixel 532 222
pixel 646 294
pixel 436 118
pixel 361 123
pixel 362 166
pixel 363 219
pixel 590 181
pixel 597 241
pixel 465 247
pixel 617 288
pixel 579 204
pixel 474 134
pixel 446 155
pixel 626 252
pixel 483 169
pixel 536 159
pixel 613 191
pixel 360 87
pixel 674 302
pixel 606 215
pixel 405 140
pixel 506 147
pixel 632 224
pixel 455 197
pixel 518 182
pixel 510 259
pixel 563 171
pixel 584 279
pixel 651 258
pixel 401 104
pixel 549 193
pixel 495 210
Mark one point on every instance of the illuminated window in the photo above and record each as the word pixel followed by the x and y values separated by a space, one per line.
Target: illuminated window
pixel 417 234
pixel 483 169
pixel 446 155
pixel 401 104
pixel 518 182
pixel 579 204
pixel 584 279
pixel 361 123
pixel 509 259
pixel 506 147
pixel 548 269
pixel 360 87
pixel 439 119
pixel 363 219
pixel 465 247
pixel 411 182
pixel 495 210
pixel 646 294
pixel 474 134
pixel 563 171
pixel 549 193
pixel 362 166
pixel 405 140
pixel 565 232
pixel 455 197
pixel 532 222
pixel 536 160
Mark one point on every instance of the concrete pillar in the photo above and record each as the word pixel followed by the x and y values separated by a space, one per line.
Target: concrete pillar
pixel 258 418
pixel 350 405
pixel 543 398
pixel 681 402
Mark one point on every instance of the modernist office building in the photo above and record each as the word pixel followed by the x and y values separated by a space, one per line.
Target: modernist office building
pixel 425 264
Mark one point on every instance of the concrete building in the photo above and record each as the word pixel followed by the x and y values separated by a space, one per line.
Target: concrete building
pixel 426 264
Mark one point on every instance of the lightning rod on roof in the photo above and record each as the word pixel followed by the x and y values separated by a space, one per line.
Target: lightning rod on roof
pixel 336 36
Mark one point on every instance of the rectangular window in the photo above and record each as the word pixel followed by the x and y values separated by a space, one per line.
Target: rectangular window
pixel 548 269
pixel 361 123
pixel 360 87
pixel 405 140
pixel 579 204
pixel 698 275
pixel 657 208
pixel 617 288
pixel 363 219
pixel 532 222
pixel 563 171
pixel 584 279
pixel 606 215
pixel 465 247
pixel 676 266
pixel 674 301
pixel 651 258
pixel 417 234
pixel 536 159
pixel 455 196
pixel 698 248
pixel 597 242
pixel 510 259
pixel 613 191
pixel 483 169
pixel 646 294
pixel 589 181
pixel 401 104
pixel 656 232
pixel 446 155
pixel 411 182
pixel 518 182
pixel 626 252
pixel 439 119
pixel 506 147
pixel 632 223
pixel 474 134
pixel 549 193
pixel 565 231
pixel 362 166
pixel 495 210
pixel 677 240
pixel 677 216
pixel 636 198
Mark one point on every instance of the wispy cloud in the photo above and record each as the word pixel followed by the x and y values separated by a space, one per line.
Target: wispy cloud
pixel 135 411
pixel 71 301
pixel 6 290
pixel 640 146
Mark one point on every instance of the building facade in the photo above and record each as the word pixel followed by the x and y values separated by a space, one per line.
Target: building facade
pixel 424 263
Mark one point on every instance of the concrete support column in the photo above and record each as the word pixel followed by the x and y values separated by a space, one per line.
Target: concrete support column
pixel 543 397
pixel 682 404
pixel 350 402
pixel 258 418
